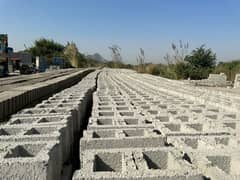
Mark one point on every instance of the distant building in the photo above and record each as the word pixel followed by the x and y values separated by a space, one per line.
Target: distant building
pixel 24 57
pixel 3 54
pixel 17 59
pixel 58 61
pixel 41 63
pixel 10 50
pixel 3 43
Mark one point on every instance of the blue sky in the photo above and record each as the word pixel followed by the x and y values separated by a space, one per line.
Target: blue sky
pixel 150 24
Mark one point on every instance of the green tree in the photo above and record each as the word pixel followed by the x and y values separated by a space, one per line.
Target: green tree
pixel 47 48
pixel 182 70
pixel 201 62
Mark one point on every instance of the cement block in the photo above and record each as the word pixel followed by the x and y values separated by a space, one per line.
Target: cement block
pixel 38 160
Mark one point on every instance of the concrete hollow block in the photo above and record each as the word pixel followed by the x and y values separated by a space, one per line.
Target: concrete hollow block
pixel 107 162
pixel 36 160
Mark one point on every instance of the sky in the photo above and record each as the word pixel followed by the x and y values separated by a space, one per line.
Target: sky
pixel 153 25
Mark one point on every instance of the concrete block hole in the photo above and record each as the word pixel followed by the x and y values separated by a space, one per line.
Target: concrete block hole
pixel 108 162
pixel 197 110
pixel 183 118
pixel 213 116
pixel 231 125
pixel 103 134
pixel 24 151
pixel 106 113
pixel 192 142
pixel 222 162
pixel 172 111
pixel 232 116
pixel 196 126
pixel 103 103
pixel 153 112
pixel 38 131
pixel 145 107
pixel 104 99
pixel 147 121
pixel 104 121
pixel 49 119
pixel 104 108
pixel 9 131
pixel 127 113
pixel 156 159
pixel 132 133
pixel 22 121
pixel 162 106
pixel 173 127
pixel 122 108
pixel 120 103
pixel 131 121
pixel 224 141
pixel 163 118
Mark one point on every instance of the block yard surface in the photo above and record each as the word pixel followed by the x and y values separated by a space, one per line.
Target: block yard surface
pixel 19 91
pixel 118 124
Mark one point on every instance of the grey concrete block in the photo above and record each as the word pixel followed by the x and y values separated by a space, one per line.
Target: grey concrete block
pixel 121 138
pixel 36 160
pixel 148 163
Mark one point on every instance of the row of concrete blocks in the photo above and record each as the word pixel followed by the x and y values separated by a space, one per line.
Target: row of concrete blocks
pixel 223 162
pixel 164 85
pixel 200 110
pixel 136 163
pixel 120 144
pixel 215 155
pixel 229 158
pixel 113 133
pixel 163 110
pixel 228 127
pixel 15 99
pixel 169 102
pixel 38 143
pixel 222 99
pixel 193 113
pixel 114 112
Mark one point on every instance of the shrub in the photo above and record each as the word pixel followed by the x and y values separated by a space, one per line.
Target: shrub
pixel 153 69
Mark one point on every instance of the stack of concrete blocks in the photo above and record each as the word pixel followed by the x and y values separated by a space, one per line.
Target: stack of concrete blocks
pixel 122 143
pixel 223 99
pixel 215 80
pixel 37 143
pixel 143 127
pixel 15 99
pixel 237 81
pixel 186 117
